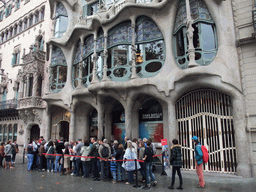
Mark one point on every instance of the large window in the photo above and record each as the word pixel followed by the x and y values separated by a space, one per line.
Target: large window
pixel 8 132
pixel 204 35
pixel 77 59
pixel 59 70
pixel 61 18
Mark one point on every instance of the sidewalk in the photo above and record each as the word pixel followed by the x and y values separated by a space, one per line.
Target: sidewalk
pixel 19 179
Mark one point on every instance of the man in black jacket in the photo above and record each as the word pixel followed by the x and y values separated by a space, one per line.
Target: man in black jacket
pixel 94 153
pixel 59 147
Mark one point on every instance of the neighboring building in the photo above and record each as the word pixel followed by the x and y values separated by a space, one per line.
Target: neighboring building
pixel 22 58
pixel 245 27
pixel 140 68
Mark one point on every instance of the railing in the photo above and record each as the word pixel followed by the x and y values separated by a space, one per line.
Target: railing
pixel 9 104
pixel 30 102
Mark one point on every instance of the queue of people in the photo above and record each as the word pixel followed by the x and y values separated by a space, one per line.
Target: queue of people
pixel 103 160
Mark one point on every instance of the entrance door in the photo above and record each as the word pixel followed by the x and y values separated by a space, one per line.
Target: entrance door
pixel 207 113
pixel 34 132
pixel 64 130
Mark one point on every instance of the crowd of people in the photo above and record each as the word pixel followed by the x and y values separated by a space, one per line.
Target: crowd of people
pixel 100 159
pixel 8 153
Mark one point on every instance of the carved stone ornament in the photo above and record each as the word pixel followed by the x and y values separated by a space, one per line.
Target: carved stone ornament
pixel 37 116
pixel 23 117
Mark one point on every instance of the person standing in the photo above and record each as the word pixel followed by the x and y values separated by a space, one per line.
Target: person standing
pixel 41 156
pixel 35 152
pixel 8 155
pixel 50 158
pixel 176 162
pixel 94 153
pixel 79 166
pixel 15 150
pixel 1 154
pixel 199 161
pixel 105 154
pixel 149 153
pixel 85 151
pixel 141 156
pixel 30 155
pixel 59 147
pixel 120 169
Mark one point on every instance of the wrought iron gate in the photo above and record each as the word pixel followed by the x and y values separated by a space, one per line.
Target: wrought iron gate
pixel 207 113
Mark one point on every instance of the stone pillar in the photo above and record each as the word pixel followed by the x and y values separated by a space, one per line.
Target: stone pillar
pixel 241 138
pixel 108 124
pixel 105 57
pixel 128 122
pixel 134 74
pixel 101 118
pixel 27 83
pixel 172 125
pixel 48 126
pixel 81 64
pixel 72 126
pixel 95 58
pixel 21 89
pixel 48 89
pixel 35 84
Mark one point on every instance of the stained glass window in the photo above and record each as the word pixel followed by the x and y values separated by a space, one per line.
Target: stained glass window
pixel 60 10
pixel 88 46
pixel 77 53
pixel 204 35
pixel 146 30
pixel 58 57
pixel 120 35
pixel 100 40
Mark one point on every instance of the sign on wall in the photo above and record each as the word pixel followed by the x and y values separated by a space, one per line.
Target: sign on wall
pixel 153 130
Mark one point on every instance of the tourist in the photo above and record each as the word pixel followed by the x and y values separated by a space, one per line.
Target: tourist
pixel 8 155
pixel 59 147
pixel 85 151
pixel 95 153
pixel 105 154
pixel 50 158
pixel 30 155
pixel 120 169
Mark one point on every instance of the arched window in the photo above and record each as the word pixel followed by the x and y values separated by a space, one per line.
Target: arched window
pixel 58 69
pixel 61 18
pixel 87 60
pixel 150 47
pixel 204 36
pixel 119 51
pixel 77 59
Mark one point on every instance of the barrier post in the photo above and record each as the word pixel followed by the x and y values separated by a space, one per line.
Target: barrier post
pixel 136 173
pixel 24 155
pixel 62 157
pixel 163 171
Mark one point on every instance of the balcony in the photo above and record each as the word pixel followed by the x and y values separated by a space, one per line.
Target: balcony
pixel 9 104
pixel 30 102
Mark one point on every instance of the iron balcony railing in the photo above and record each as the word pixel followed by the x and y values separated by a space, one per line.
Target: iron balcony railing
pixel 9 104
pixel 254 17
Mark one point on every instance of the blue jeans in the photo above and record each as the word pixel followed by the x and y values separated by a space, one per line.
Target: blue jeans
pixel 50 160
pixel 78 166
pixel 57 162
pixel 74 166
pixel 30 161
pixel 104 169
pixel 149 173
pixel 95 168
pixel 113 175
pixel 120 172
pixel 130 176
pixel 86 165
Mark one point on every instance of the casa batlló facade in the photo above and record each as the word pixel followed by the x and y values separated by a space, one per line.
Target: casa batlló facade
pixel 158 69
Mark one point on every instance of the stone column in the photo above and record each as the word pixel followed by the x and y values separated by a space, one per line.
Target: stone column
pixel 105 57
pixel 72 126
pixel 27 83
pixel 95 58
pixel 101 117
pixel 172 125
pixel 108 124
pixel 134 74
pixel 21 88
pixel 241 138
pixel 81 64
pixel 48 126
pixel 128 122
pixel 35 84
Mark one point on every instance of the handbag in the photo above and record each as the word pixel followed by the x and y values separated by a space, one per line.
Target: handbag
pixel 48 156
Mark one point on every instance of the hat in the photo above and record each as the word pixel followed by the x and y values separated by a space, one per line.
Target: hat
pixel 195 138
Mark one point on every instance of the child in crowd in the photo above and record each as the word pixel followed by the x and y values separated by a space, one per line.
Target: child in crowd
pixel 113 165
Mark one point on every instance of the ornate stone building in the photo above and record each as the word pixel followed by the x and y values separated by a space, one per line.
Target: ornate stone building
pixel 145 68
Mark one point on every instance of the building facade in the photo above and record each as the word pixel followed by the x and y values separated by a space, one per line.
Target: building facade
pixel 142 68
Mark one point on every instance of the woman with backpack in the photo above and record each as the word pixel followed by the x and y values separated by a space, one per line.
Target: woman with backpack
pixel 50 158
pixel 30 155
pixel 176 162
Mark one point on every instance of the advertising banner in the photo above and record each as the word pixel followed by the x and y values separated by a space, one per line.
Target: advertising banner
pixel 119 131
pixel 151 129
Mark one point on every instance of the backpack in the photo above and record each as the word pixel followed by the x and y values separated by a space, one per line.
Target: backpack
pixel 205 154
pixel 104 151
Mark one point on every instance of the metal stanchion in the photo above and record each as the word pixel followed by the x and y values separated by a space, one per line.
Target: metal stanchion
pixel 136 173
pixel 163 171
pixel 24 155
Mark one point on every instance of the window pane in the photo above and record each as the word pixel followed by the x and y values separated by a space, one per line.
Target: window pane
pixel 62 74
pixel 180 47
pixel 154 50
pixel 76 71
pixel 63 23
pixel 15 129
pixel 54 74
pixel 10 132
pixel 120 55
pixel 208 40
pixel 5 133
